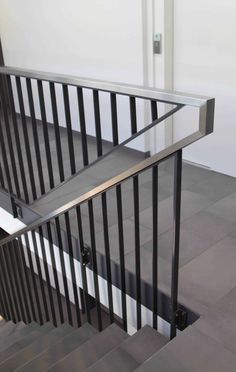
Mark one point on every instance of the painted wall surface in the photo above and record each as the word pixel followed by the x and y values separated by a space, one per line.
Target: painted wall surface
pixel 205 63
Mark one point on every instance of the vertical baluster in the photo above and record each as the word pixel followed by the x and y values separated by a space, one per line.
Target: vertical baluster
pixel 82 265
pixel 55 275
pixel 45 133
pixel 63 268
pixel 83 125
pixel 133 115
pixel 14 270
pixel 114 120
pixel 72 267
pixel 33 278
pixel 47 276
pixel 9 137
pixel 3 308
pixel 1 176
pixel 5 160
pixel 122 255
pixel 18 141
pixel 94 258
pixel 41 283
pixel 26 137
pixel 97 122
pixel 137 250
pixel 27 278
pixel 108 257
pixel 69 128
pixel 4 290
pixel 57 131
pixel 176 239
pixel 155 245
pixel 35 135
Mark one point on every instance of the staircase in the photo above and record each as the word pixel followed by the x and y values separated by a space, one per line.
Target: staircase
pixel 46 348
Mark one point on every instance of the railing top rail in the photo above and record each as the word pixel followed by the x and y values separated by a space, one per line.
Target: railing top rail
pixel 123 89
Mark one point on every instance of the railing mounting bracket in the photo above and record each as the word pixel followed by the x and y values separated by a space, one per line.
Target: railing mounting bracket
pixel 16 209
pixel 85 254
pixel 181 319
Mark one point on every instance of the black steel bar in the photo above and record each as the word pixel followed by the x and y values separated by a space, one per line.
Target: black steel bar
pixel 83 267
pixel 72 268
pixel 1 176
pixel 137 250
pixel 57 132
pixel 155 246
pixel 133 115
pixel 27 277
pixel 108 256
pixel 55 275
pixel 154 110
pixel 8 289
pixel 97 122
pixel 26 137
pixel 47 276
pixel 39 270
pixel 63 269
pixel 69 128
pixel 83 126
pixel 5 293
pixel 33 278
pixel 35 135
pixel 9 135
pixel 114 120
pixel 18 264
pixel 5 160
pixel 16 279
pixel 94 259
pixel 122 255
pixel 45 133
pixel 176 239
pixel 3 307
pixel 17 139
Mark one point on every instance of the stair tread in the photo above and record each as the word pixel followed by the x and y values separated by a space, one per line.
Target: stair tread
pixel 91 351
pixel 132 352
pixel 15 347
pixel 16 335
pixel 10 328
pixel 41 343
pixel 59 350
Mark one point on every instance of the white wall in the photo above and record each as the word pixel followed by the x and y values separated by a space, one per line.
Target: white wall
pixel 205 63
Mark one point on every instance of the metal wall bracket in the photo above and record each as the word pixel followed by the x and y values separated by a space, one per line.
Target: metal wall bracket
pixel 181 319
pixel 16 209
pixel 85 255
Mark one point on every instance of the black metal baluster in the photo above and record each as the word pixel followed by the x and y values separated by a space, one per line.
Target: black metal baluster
pixel 133 115
pixel 38 265
pixel 45 133
pixel 19 265
pixel 154 110
pixel 4 291
pixel 3 309
pixel 35 135
pixel 16 280
pixel 1 176
pixel 155 246
pixel 33 277
pixel 26 137
pixel 108 256
pixel 18 141
pixel 5 160
pixel 47 276
pixel 57 132
pixel 55 275
pixel 27 276
pixel 137 250
pixel 9 137
pixel 82 264
pixel 72 268
pixel 97 122
pixel 94 258
pixel 83 125
pixel 8 289
pixel 69 128
pixel 114 120
pixel 63 269
pixel 176 239
pixel 122 255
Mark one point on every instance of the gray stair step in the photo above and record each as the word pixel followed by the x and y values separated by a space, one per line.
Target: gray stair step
pixel 16 335
pixel 132 352
pixel 91 351
pixel 25 341
pixel 41 343
pixel 59 350
pixel 10 328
